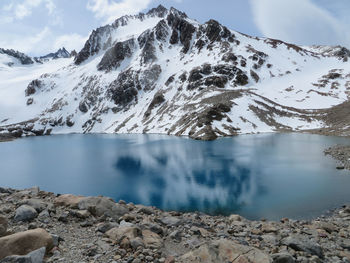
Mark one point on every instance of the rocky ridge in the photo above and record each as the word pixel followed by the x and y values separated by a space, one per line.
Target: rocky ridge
pixel 162 72
pixel 68 228
pixel 60 53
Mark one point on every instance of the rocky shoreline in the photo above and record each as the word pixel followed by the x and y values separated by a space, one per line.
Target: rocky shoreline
pixel 341 153
pixel 6 137
pixel 97 229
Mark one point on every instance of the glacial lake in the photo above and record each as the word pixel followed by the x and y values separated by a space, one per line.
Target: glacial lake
pixel 257 176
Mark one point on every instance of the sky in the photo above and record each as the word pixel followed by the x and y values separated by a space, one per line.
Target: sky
pixel 37 27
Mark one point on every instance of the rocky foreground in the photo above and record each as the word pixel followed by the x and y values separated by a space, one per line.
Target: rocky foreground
pixel 64 228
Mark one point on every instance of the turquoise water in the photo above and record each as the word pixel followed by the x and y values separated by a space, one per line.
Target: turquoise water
pixel 258 176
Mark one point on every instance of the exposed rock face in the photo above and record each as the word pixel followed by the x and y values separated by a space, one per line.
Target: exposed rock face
pixel 25 242
pixel 146 43
pixel 115 55
pixel 157 100
pixel 23 58
pixel 149 77
pixel 182 31
pixel 33 86
pixel 125 88
pixel 94 44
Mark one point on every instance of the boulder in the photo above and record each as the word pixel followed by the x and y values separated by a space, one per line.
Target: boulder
pixel 68 200
pixel 3 226
pixel 102 206
pixel 36 256
pixel 25 213
pixel 25 242
pixel 37 204
pixel 301 243
pixel 225 251
pixel 151 239
pixel 119 233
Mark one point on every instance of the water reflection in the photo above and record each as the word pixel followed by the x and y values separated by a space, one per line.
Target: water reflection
pixel 271 176
pixel 171 174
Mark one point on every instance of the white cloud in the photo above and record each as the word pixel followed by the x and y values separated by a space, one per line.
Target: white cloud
pixel 299 21
pixel 70 42
pixel 109 10
pixel 43 42
pixel 8 7
pixel 27 43
pixel 25 8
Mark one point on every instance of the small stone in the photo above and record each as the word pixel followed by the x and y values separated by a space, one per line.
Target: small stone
pixel 64 217
pixel 104 227
pixel 282 258
pixel 170 221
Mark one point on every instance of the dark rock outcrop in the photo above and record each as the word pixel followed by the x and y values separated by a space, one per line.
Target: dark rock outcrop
pixel 23 58
pixel 158 99
pixel 124 89
pixel 33 86
pixel 146 42
pixel 94 44
pixel 115 55
pixel 182 30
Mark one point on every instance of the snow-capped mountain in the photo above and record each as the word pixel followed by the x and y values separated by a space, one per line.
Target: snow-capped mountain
pixel 10 57
pixel 162 72
pixel 61 53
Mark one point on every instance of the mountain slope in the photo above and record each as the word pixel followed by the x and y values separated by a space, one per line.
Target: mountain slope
pixel 162 72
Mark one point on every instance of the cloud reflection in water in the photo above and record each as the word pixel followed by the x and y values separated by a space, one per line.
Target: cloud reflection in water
pixel 184 176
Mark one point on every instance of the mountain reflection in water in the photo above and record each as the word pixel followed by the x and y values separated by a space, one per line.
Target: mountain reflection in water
pixel 266 175
pixel 181 176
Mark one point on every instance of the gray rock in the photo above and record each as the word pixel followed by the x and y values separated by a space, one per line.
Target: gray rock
pixel 56 240
pixel 282 258
pixel 44 216
pixel 301 243
pixel 102 206
pixel 37 204
pixel 104 227
pixel 170 221
pixel 176 235
pixel 25 213
pixel 36 256
pixel 136 242
pixel 3 226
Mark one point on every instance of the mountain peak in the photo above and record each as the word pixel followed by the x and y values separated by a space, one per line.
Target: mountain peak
pixel 159 11
pixel 175 11
pixel 60 53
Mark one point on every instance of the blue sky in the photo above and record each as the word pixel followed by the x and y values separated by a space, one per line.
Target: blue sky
pixel 40 26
